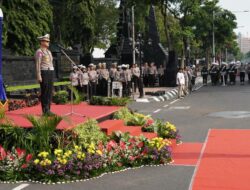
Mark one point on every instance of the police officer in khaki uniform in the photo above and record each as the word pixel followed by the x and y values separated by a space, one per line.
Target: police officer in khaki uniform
pixel 135 76
pixel 45 72
pixel 152 72
pixel 161 72
pixel 124 80
pixel 103 80
pixel 92 79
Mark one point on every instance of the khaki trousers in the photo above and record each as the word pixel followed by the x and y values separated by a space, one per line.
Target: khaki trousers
pixel 181 89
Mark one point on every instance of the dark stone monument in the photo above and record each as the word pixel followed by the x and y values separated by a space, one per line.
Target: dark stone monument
pixel 171 69
pixel 154 50
pixel 123 48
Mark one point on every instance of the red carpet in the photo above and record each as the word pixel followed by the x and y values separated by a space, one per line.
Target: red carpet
pixel 95 112
pixel 187 154
pixel 225 163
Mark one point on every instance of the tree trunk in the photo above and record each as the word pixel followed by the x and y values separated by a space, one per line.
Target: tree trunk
pixel 166 26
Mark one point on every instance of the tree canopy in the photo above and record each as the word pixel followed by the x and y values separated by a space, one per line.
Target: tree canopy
pixel 184 26
pixel 24 21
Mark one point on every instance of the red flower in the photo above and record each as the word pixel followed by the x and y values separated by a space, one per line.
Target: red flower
pixel 20 152
pixel 150 122
pixel 24 166
pixel 28 157
pixel 130 146
pixel 140 145
pixel 132 158
pixel 122 145
pixel 111 144
pixel 2 153
pixel 132 140
pixel 144 152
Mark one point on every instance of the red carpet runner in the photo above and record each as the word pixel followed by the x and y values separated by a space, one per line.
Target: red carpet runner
pixel 225 163
pixel 89 111
pixel 187 154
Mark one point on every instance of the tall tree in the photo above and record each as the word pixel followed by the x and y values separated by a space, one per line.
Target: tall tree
pixel 24 21
pixel 106 18
pixel 79 23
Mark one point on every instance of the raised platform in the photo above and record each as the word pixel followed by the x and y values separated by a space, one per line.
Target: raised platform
pixel 100 113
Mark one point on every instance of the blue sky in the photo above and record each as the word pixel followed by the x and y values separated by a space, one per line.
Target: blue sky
pixel 242 18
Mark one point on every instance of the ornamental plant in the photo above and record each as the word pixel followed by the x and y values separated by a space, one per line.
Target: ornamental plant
pixel 61 97
pixel 88 133
pixel 168 130
pixel 159 150
pixel 73 164
pixel 14 164
pixel 109 101
pixel 125 153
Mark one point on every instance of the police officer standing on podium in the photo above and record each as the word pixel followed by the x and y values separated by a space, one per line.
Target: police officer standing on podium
pixel 45 72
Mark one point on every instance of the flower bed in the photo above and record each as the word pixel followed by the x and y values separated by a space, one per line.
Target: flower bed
pixel 163 129
pixel 109 101
pixel 48 155
pixel 28 101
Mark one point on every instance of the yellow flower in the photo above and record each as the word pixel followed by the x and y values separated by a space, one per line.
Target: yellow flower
pixel 99 152
pixel 91 151
pixel 36 161
pixel 58 152
pixel 43 154
pixel 47 161
pixel 69 152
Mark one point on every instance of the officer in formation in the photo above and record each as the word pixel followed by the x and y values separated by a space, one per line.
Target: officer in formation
pixel 135 70
pixel 223 73
pixel 214 74
pixel 44 73
pixel 161 75
pixel 103 77
pixel 152 73
pixel 204 74
pixel 232 71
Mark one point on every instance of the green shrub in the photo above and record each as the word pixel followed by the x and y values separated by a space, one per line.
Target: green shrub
pixel 61 97
pixel 89 132
pixel 12 136
pixel 78 97
pixel 124 114
pixel 109 101
pixel 42 134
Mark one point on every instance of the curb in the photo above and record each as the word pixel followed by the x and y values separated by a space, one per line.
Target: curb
pixel 170 95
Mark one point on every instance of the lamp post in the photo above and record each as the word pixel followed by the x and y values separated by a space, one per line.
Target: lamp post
pixel 213 39
pixel 139 43
pixel 2 91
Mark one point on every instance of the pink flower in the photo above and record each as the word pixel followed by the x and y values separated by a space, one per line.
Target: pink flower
pixel 131 158
pixel 122 145
pixel 111 145
pixel 2 153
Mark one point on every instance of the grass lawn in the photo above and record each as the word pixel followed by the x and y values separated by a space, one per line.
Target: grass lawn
pixel 32 86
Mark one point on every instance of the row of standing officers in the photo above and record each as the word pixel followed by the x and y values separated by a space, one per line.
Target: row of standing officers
pixel 226 74
pixel 94 81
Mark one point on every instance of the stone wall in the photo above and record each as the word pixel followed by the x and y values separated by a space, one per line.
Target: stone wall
pixel 18 70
